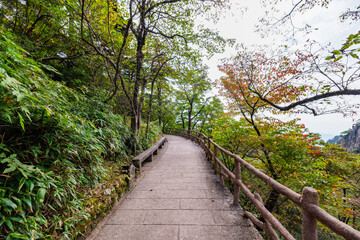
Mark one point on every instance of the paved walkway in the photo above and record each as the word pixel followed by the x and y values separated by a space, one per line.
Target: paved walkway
pixel 180 197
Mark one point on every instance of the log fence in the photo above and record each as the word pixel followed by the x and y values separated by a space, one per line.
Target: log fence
pixel 308 201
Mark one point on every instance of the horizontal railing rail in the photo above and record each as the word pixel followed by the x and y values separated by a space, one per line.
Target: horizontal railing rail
pixel 308 201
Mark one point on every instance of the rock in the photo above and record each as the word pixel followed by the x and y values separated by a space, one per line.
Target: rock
pixel 335 139
pixel 107 191
pixel 351 141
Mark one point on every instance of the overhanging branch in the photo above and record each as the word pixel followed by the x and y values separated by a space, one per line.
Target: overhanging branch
pixel 310 99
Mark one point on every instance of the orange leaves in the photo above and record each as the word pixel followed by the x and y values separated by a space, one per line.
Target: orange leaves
pixel 250 75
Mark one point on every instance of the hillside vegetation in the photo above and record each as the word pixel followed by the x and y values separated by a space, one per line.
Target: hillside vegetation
pixel 55 143
pixel 87 85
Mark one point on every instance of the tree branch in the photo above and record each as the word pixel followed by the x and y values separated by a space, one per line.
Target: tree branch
pixel 310 99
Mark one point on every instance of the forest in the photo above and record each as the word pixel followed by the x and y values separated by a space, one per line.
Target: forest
pixel 85 85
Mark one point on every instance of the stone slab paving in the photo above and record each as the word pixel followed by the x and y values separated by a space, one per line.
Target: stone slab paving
pixel 179 197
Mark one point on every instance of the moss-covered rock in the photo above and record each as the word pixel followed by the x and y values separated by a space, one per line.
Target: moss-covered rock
pixel 101 199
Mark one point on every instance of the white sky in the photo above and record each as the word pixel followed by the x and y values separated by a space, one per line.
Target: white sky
pixel 237 24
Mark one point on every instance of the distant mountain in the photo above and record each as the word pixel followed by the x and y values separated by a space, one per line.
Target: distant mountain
pixel 335 139
pixel 351 141
pixel 326 136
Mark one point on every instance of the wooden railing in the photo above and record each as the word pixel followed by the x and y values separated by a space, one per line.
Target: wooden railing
pixel 147 155
pixel 308 201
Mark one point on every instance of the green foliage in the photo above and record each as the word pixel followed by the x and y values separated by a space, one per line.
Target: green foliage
pixel 298 159
pixel 54 143
pixel 50 33
pixel 349 49
pixel 146 142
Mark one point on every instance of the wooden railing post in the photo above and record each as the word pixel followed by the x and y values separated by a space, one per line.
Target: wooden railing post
pixel 209 147
pixel 215 156
pixel 309 224
pixel 203 142
pixel 236 187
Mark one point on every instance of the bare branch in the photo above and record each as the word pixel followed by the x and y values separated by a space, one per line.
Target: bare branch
pixel 167 36
pixel 289 14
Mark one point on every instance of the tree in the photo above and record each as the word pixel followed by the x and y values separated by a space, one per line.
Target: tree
pixel 191 95
pixel 285 150
pixel 317 82
pixel 164 20
pixel 325 82
pixel 47 30
pixel 299 158
pixel 332 77
pixel 157 69
pixel 281 19
pixel 102 27
pixel 117 46
pixel 249 74
pixel 212 110
pixel 133 28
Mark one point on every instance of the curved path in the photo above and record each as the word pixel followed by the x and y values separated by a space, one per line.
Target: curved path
pixel 179 197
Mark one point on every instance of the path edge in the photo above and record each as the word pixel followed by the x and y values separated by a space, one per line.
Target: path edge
pixel 101 224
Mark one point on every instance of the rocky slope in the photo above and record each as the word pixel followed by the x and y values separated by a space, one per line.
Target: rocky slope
pixel 351 141
pixel 335 139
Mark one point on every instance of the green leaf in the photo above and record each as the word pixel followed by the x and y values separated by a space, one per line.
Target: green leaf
pixel 28 202
pixel 16 219
pixel 9 223
pixel 336 52
pixel 354 55
pixel 22 181
pixel 31 186
pixel 10 169
pixel 41 194
pixel 21 121
pixel 23 214
pixel 338 58
pixel 18 201
pixel 18 236
pixel 7 202
pixel 4 148
pixel 329 57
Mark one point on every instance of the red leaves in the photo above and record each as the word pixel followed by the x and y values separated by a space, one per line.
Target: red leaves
pixel 251 74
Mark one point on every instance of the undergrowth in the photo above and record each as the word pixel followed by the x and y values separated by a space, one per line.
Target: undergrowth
pixel 54 142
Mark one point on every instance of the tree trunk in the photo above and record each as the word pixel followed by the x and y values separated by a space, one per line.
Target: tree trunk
pixel 182 120
pixel 272 200
pixel 141 100
pixel 270 205
pixel 160 106
pixel 140 37
pixel 134 130
pixel 150 107
pixel 189 115
pixel 189 121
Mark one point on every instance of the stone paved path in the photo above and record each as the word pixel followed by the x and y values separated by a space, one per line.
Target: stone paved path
pixel 179 197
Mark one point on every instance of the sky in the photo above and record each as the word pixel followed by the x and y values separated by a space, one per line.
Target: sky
pixel 239 23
